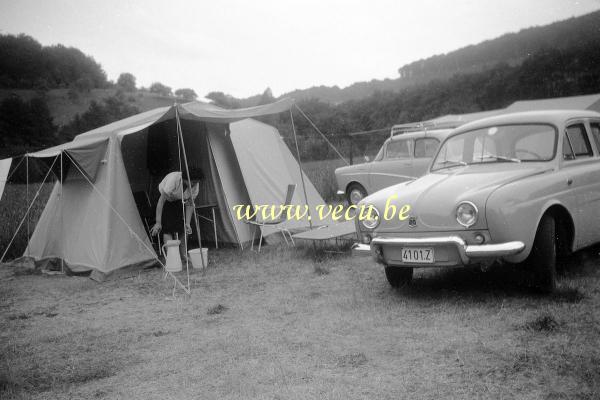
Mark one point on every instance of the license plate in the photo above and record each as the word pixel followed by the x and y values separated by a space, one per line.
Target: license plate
pixel 420 255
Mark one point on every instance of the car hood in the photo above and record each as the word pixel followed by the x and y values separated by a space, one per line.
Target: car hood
pixel 433 198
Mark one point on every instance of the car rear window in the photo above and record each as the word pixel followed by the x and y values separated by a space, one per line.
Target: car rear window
pixel 425 147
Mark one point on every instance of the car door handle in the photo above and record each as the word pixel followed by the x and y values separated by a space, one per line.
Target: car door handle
pixel 569 181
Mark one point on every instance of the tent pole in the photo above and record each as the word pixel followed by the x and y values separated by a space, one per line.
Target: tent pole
pixel 27 199
pixel 62 259
pixel 27 212
pixel 300 167
pixel 187 172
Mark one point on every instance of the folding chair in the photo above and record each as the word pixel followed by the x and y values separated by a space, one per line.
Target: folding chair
pixel 275 222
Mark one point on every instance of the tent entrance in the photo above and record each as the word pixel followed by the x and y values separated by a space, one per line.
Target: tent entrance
pixel 152 153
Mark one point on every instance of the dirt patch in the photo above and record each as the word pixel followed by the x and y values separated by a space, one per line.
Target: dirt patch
pixel 218 309
pixel 37 377
pixel 568 295
pixel 351 360
pixel 25 271
pixel 525 361
pixel 321 269
pixel 543 323
pixel 19 316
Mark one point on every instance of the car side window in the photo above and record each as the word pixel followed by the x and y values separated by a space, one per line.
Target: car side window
pixel 566 149
pixel 425 147
pixel 578 141
pixel 596 133
pixel 398 149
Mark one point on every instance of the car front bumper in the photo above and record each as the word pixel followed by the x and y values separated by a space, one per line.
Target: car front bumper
pixel 454 249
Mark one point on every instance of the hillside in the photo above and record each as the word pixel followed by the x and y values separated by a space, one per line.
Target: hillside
pixel 63 108
pixel 511 49
pixel 35 118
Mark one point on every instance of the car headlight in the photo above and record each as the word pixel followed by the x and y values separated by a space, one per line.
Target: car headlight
pixel 466 214
pixel 371 219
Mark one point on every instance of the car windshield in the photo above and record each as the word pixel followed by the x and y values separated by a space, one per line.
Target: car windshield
pixel 494 144
pixel 379 155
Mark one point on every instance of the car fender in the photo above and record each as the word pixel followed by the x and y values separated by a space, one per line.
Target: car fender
pixel 358 173
pixel 514 211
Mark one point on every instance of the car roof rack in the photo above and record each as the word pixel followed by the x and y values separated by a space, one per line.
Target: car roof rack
pixel 423 126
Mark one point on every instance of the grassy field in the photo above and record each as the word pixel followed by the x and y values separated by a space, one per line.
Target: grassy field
pixel 280 325
pixel 14 205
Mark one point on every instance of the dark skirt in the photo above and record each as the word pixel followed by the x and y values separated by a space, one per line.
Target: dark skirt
pixel 172 218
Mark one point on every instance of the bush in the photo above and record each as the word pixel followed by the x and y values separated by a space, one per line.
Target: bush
pixel 126 81
pixel 98 114
pixel 160 89
pixel 186 94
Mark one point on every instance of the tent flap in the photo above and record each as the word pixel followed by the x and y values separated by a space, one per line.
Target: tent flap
pixel 4 168
pixel 268 167
pixel 89 157
pixel 86 153
pixel 210 113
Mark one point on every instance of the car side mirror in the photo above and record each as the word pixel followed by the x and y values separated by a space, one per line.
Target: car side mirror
pixel 367 159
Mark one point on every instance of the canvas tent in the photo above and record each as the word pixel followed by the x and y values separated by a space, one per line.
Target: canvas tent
pixel 585 102
pixel 92 222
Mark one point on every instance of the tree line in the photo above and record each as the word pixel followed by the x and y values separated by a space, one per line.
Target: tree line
pixel 545 74
pixel 26 64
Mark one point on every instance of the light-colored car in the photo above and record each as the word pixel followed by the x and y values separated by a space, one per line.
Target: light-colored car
pixel 516 188
pixel 403 157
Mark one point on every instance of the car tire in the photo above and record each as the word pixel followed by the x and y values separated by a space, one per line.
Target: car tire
pixel 543 255
pixel 398 276
pixel 355 193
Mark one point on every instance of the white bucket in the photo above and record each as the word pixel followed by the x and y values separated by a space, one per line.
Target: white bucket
pixel 199 259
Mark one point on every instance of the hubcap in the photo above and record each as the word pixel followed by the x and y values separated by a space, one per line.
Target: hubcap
pixel 355 196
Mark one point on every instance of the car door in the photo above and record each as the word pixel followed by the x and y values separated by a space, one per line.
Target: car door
pixel 395 167
pixel 424 151
pixel 589 200
pixel 581 167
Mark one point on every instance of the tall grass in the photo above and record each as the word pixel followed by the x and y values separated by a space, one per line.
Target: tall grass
pixel 321 173
pixel 14 205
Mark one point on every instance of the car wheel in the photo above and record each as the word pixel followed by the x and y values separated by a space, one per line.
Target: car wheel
pixel 398 276
pixel 355 193
pixel 543 255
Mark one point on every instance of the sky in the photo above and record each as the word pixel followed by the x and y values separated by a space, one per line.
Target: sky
pixel 242 47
